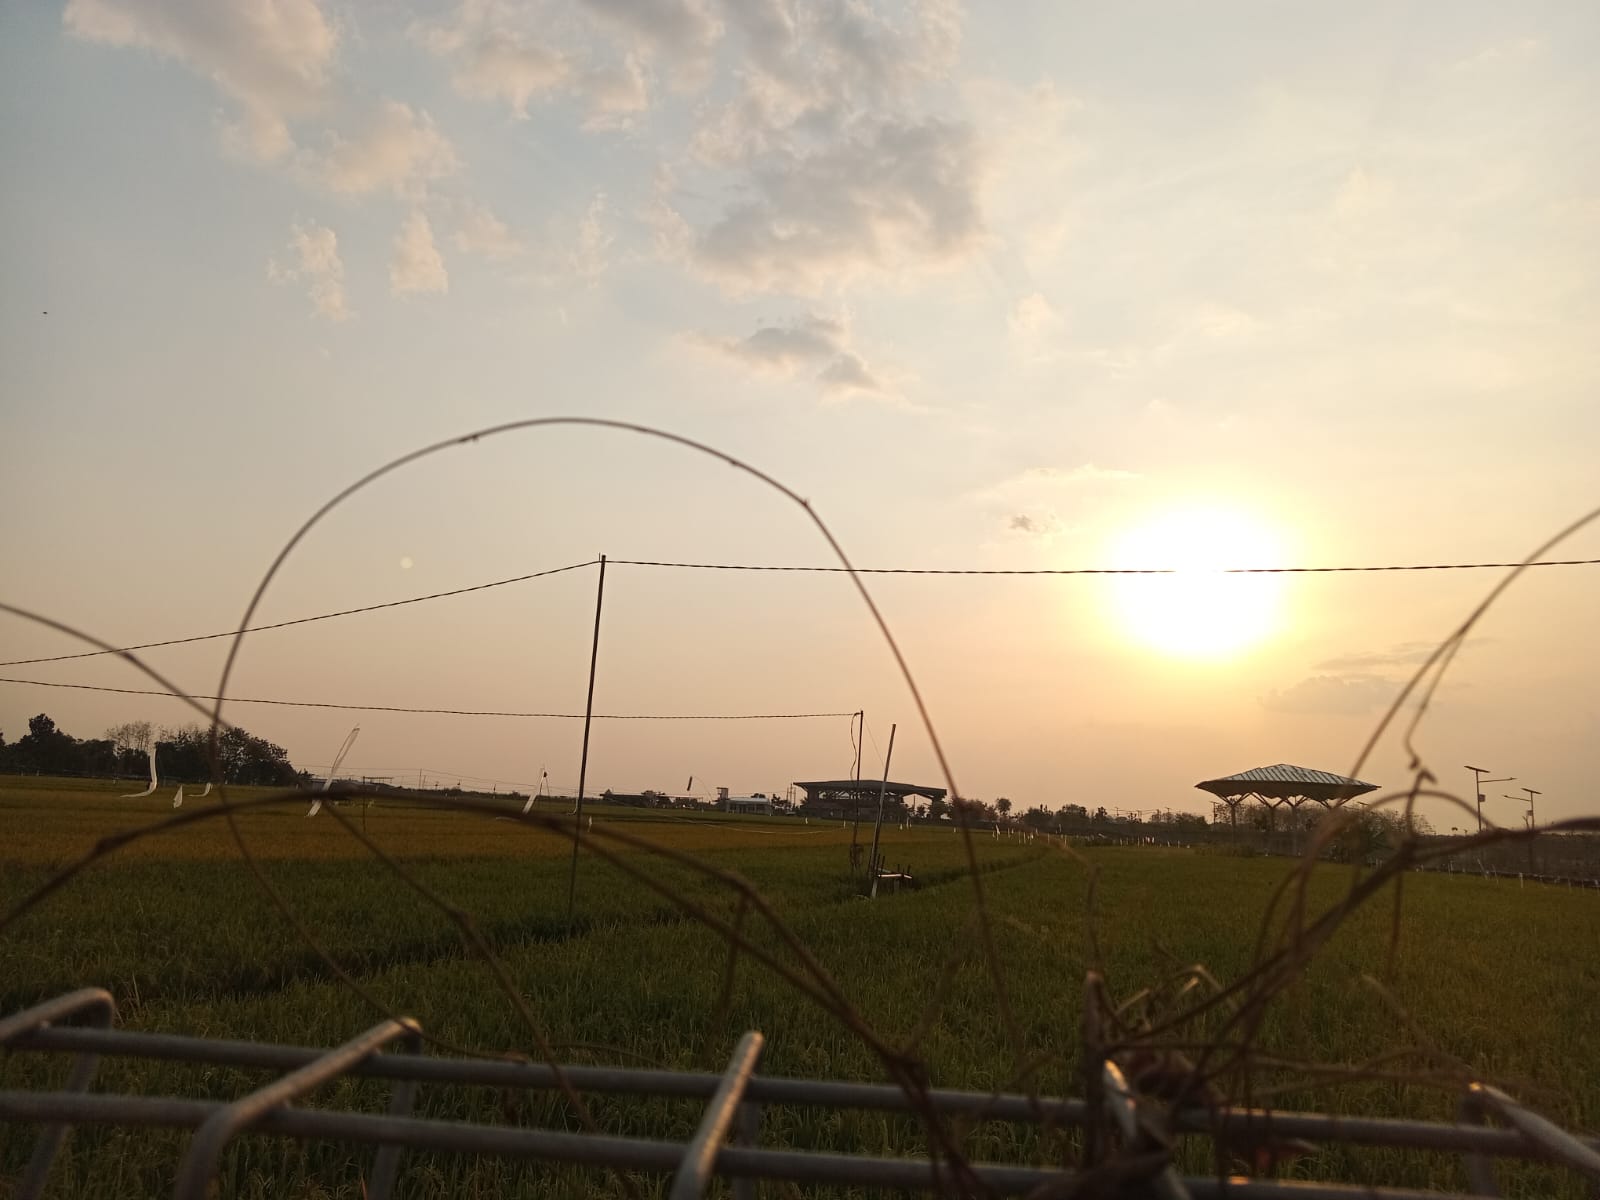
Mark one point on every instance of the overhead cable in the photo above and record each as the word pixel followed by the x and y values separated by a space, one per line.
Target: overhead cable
pixel 450 712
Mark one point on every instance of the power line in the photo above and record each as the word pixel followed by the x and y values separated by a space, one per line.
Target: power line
pixel 449 712
pixel 343 612
pixel 697 566
pixel 1475 566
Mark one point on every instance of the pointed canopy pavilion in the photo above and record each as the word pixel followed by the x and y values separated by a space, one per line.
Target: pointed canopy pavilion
pixel 1284 783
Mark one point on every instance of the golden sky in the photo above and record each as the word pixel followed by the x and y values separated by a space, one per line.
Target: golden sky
pixel 1001 287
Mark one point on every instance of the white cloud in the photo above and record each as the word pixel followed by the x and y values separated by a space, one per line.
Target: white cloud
pixel 273 58
pixel 1333 695
pixel 812 343
pixel 501 66
pixel 837 162
pixel 883 196
pixel 847 373
pixel 517 55
pixel 318 266
pixel 590 248
pixel 682 32
pixel 615 93
pixel 481 232
pixel 416 265
pixel 399 150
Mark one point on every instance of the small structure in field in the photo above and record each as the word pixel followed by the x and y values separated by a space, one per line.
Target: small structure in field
pixel 1283 784
pixel 759 804
pixel 847 798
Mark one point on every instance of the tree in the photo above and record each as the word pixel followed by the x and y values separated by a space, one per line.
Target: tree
pixel 130 742
pixel 937 809
pixel 1039 817
pixel 1003 806
pixel 44 749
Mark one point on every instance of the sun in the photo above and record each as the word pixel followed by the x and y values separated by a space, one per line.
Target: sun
pixel 1200 611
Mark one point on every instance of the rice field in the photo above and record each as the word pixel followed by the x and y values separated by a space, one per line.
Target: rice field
pixel 1505 980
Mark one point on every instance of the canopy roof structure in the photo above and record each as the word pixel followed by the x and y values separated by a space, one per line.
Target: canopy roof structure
pixel 1286 782
pixel 835 790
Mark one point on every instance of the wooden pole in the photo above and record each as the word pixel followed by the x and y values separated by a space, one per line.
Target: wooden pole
pixel 583 762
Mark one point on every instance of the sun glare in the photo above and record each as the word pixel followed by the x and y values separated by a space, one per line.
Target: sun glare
pixel 1199 612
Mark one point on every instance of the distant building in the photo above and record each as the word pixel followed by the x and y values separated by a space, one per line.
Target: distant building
pixel 756 805
pixel 647 799
pixel 837 799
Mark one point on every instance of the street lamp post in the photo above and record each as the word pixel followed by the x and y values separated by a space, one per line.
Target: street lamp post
pixel 1477 787
pixel 1530 795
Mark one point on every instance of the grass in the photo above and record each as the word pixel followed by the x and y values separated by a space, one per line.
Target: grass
pixel 1500 977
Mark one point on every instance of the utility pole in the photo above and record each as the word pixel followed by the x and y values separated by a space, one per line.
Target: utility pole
pixel 583 762
pixel 1477 787
pixel 883 786
pixel 855 795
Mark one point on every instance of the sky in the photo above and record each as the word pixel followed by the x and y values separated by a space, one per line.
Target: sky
pixel 992 287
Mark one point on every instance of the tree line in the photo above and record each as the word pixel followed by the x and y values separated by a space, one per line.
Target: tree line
pixel 182 755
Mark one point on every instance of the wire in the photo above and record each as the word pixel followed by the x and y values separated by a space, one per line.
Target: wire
pixel 694 566
pixel 1476 566
pixel 450 712
pixel 344 612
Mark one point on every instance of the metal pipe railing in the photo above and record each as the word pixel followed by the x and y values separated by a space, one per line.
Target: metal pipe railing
pixel 734 1100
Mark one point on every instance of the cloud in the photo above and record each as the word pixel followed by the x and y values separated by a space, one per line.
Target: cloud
pixel 811 343
pixel 481 232
pixel 416 265
pixel 1043 526
pixel 513 56
pixel 400 150
pixel 501 66
pixel 1402 654
pixel 883 197
pixel 1333 695
pixel 1031 501
pixel 615 93
pixel 835 161
pixel 682 32
pixel 1036 327
pixel 273 58
pixel 318 266
pixel 592 245
pixel 847 373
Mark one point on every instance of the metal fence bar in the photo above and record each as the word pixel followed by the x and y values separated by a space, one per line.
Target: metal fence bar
pixel 498 1073
pixel 596 1150
pixel 1454 1138
pixel 100 1007
pixel 734 1101
pixel 700 1156
pixel 746 1133
pixel 1560 1144
pixel 199 1164
pixel 401 1097
pixel 1480 1172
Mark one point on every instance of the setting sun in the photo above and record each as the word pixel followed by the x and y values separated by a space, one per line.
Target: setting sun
pixel 1199 612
